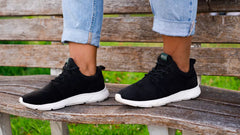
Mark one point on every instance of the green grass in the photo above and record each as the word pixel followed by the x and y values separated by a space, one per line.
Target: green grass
pixel 24 17
pixel 27 42
pixel 86 129
pixel 220 45
pixel 226 82
pixel 26 126
pixel 131 44
pixel 122 77
pixel 11 71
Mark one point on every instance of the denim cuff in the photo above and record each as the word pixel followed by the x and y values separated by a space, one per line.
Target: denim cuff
pixel 174 28
pixel 80 36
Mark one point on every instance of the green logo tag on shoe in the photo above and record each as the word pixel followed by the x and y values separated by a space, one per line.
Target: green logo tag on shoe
pixel 164 56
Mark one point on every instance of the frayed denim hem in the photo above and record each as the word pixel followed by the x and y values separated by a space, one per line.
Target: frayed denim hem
pixel 80 36
pixel 174 28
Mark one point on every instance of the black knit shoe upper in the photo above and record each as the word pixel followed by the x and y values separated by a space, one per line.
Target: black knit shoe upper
pixel 69 83
pixel 163 80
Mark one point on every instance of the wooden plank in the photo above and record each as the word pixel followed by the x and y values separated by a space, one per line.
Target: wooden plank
pixel 210 106
pixel 212 29
pixel 38 81
pixel 143 6
pixel 219 6
pixel 219 107
pixel 5 125
pixel 212 100
pixel 55 71
pixel 188 132
pixel 31 29
pixel 160 130
pixel 59 128
pixel 214 114
pixel 53 7
pixel 157 130
pixel 210 61
pixel 220 95
pixel 29 7
pixel 170 116
pixel 171 131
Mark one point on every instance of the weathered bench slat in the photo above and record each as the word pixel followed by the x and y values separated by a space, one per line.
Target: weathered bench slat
pixel 53 7
pixel 59 128
pixel 210 106
pixel 210 61
pixel 188 132
pixel 213 29
pixel 197 105
pixel 207 102
pixel 182 115
pixel 5 126
pixel 159 130
pixel 219 95
pixel 224 108
pixel 171 116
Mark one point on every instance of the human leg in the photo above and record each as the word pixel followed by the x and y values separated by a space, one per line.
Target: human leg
pixel 82 28
pixel 84 56
pixel 81 81
pixel 176 23
pixel 173 78
pixel 179 49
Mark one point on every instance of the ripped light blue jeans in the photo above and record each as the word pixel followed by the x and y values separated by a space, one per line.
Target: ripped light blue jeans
pixel 83 19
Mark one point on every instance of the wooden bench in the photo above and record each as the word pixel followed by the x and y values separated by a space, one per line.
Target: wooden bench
pixel 215 112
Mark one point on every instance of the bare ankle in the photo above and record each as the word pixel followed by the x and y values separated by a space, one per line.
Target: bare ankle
pixel 84 56
pixel 87 70
pixel 184 68
pixel 179 49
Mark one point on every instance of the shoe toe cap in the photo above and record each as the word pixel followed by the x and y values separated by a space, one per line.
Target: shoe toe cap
pixel 30 98
pixel 38 97
pixel 130 93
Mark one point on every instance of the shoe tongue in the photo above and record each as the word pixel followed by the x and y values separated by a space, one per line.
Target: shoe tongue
pixel 70 64
pixel 165 58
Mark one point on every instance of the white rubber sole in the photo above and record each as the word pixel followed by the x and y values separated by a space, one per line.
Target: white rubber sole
pixel 74 100
pixel 182 95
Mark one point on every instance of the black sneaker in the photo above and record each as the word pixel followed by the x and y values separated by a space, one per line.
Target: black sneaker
pixel 71 87
pixel 164 84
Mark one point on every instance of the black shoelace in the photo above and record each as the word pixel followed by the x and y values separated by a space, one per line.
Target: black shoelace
pixel 64 74
pixel 158 72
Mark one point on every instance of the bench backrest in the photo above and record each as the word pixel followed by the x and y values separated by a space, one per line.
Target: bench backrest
pixel 125 26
